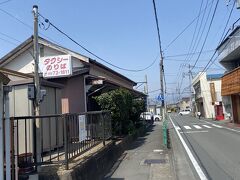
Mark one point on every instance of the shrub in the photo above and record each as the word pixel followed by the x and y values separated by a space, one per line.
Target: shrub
pixel 125 110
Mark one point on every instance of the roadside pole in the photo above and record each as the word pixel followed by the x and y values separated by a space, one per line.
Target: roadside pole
pixel 1 134
pixel 161 85
pixel 8 157
pixel 146 91
pixel 37 124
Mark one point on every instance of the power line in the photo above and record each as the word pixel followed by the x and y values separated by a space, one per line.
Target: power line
pixel 207 33
pixel 195 29
pixel 191 47
pixel 170 59
pixel 19 20
pixel 10 42
pixel 198 38
pixel 230 14
pixel 185 54
pixel 10 37
pixel 4 2
pixel 90 52
pixel 25 24
pixel 210 61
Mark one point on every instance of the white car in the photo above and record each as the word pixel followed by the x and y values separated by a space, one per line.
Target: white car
pixel 157 117
pixel 146 116
pixel 184 112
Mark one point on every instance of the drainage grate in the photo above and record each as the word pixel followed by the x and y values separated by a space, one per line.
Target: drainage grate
pixel 155 161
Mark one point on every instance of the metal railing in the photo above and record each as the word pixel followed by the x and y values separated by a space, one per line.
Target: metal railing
pixel 55 139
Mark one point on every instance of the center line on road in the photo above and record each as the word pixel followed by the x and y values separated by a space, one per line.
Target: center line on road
pixel 207 126
pixel 187 127
pixel 197 127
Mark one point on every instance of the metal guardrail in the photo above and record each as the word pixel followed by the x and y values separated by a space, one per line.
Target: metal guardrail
pixel 166 135
pixel 63 138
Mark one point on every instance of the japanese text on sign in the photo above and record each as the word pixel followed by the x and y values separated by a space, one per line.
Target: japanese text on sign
pixel 56 66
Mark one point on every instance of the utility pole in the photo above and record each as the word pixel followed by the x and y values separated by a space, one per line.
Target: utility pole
pixel 37 123
pixel 161 60
pixel 190 85
pixel 161 84
pixel 146 90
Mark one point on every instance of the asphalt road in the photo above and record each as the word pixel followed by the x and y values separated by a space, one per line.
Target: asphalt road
pixel 215 148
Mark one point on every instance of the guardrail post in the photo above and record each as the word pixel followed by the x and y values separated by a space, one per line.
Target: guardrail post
pixel 168 139
pixel 66 141
pixel 164 133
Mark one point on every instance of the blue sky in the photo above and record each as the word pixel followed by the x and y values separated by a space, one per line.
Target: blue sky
pixel 121 31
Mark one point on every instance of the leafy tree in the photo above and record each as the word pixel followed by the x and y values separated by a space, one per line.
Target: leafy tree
pixel 125 110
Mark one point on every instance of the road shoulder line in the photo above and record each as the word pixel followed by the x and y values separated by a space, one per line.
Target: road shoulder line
pixel 191 157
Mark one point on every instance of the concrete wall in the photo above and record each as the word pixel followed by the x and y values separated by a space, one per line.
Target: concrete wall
pixel 20 105
pixel 96 166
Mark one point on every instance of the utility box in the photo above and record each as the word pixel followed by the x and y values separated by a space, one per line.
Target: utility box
pixel 31 91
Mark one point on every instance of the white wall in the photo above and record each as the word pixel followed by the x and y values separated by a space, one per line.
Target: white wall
pixel 24 62
pixel 205 94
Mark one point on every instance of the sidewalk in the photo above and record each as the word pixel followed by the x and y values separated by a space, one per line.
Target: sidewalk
pixel 145 159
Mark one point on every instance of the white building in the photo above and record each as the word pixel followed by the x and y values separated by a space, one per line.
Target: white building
pixel 208 99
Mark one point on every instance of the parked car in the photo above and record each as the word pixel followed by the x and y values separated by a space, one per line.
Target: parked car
pixel 184 112
pixel 147 116
pixel 169 111
pixel 157 117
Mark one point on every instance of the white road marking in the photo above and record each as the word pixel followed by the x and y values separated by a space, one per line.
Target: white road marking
pixel 189 132
pixel 191 157
pixel 178 128
pixel 157 150
pixel 197 127
pixel 216 126
pixel 209 127
pixel 234 130
pixel 187 127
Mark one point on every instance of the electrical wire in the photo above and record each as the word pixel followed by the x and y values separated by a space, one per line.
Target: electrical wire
pixel 192 45
pixel 230 14
pixel 211 59
pixel 199 38
pixel 185 54
pixel 26 25
pixel 10 37
pixel 195 29
pixel 4 2
pixel 215 9
pixel 90 52
pixel 10 42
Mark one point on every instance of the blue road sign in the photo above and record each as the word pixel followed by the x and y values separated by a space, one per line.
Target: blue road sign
pixel 160 97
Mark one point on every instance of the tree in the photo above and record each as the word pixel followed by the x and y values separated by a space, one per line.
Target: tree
pixel 125 110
